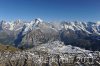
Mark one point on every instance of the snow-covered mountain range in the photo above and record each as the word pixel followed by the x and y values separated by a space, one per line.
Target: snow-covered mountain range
pixel 37 31
pixel 88 27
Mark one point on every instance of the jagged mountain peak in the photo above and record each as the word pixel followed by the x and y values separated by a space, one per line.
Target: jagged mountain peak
pixel 38 20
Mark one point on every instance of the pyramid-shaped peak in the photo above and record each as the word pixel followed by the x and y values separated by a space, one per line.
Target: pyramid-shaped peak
pixel 38 20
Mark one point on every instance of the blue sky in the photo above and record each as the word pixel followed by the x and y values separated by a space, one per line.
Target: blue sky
pixel 49 10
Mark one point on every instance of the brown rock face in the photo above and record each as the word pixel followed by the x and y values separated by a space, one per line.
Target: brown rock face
pixel 36 37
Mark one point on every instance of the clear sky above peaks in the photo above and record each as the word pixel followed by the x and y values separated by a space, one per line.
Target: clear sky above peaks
pixel 49 10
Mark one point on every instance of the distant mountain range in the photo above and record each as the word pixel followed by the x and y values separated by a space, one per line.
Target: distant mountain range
pixel 29 34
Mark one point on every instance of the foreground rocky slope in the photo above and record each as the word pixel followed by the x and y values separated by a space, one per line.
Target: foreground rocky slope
pixel 51 54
